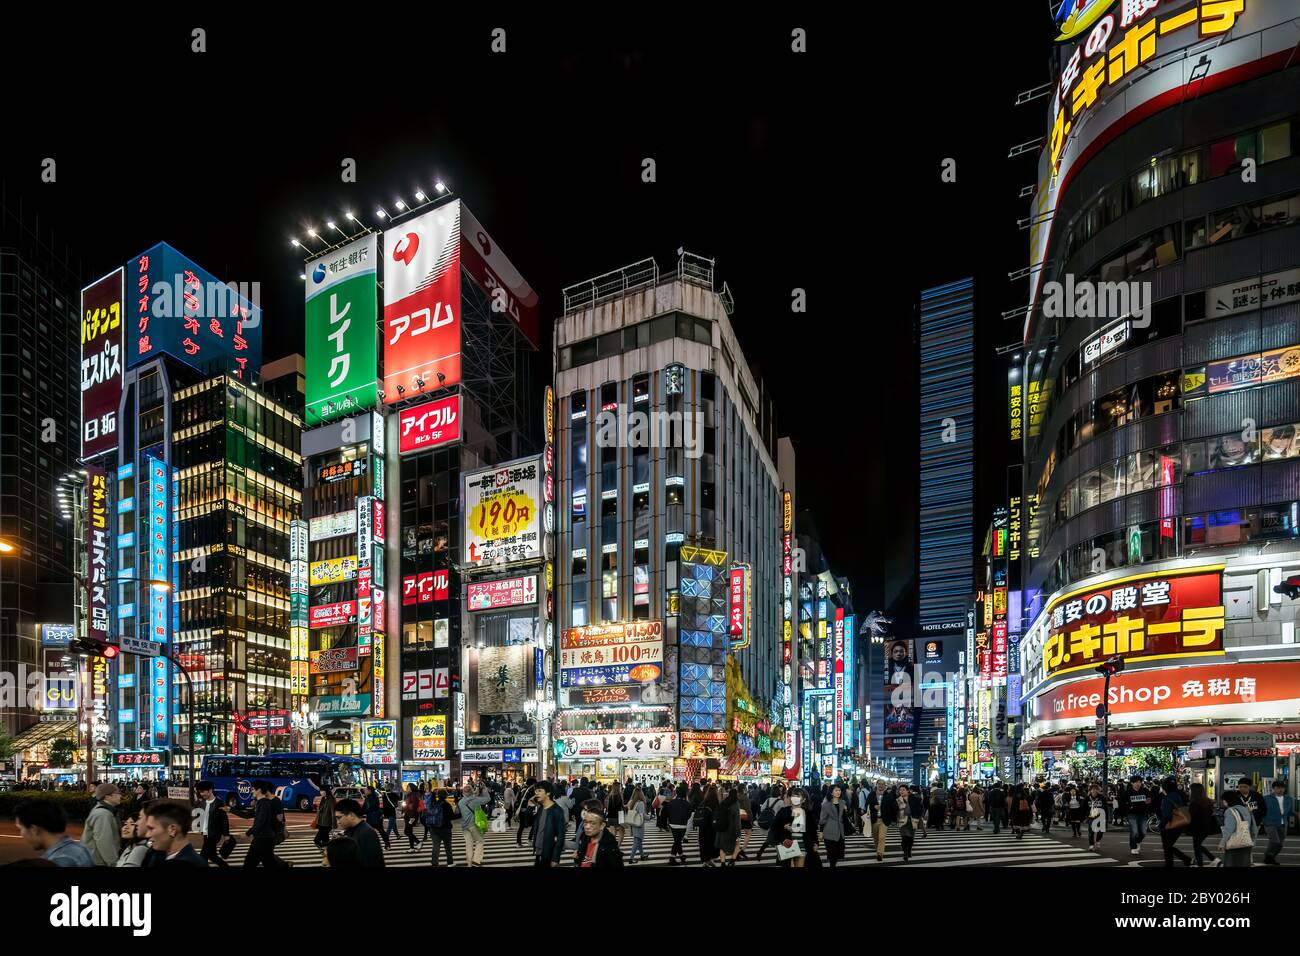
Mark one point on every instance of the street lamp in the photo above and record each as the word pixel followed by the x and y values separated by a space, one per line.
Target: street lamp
pixel 1107 669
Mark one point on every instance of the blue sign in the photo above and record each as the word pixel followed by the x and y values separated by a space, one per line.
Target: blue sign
pixel 177 308
pixel 1015 683
pixel 57 635
pixel 156 539
pixel 539 667
pixel 610 674
pixel 512 755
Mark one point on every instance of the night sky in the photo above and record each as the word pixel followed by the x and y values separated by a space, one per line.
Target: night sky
pixel 818 171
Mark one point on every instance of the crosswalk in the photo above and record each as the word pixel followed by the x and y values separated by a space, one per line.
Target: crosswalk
pixel 944 848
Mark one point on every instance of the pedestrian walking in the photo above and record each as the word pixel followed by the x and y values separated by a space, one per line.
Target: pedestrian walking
pixel 1022 813
pixel 1045 804
pixel 879 829
pixel 325 821
pixel 550 823
pixel 1076 809
pixel 375 813
pixel 1239 831
pixel 835 823
pixel 473 823
pixel 746 821
pixel 615 813
pixel 214 825
pixel 351 816
pixel 793 826
pixel 726 828
pixel 527 810
pixel 1138 809
pixel 906 810
pixel 437 824
pixel 1096 818
pixel 268 827
pixel 1174 820
pixel 1203 823
pixel 704 825
pixel 391 802
pixel 995 801
pixel 101 836
pixel 508 803
pixel 767 817
pixel 636 819
pixel 679 813
pixel 977 808
pixel 1279 811
pixel 411 813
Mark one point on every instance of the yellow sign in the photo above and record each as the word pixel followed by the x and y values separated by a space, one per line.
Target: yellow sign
pixel 333 570
pixel 503 515
pixel 690 552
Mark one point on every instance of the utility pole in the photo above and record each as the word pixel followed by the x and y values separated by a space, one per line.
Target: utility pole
pixel 1108 669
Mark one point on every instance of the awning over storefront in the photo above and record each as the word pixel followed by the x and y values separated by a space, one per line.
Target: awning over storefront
pixel 43 733
pixel 1180 736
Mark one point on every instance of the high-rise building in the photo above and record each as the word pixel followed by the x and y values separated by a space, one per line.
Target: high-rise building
pixel 39 414
pixel 945 543
pixel 1162 471
pixel 670 521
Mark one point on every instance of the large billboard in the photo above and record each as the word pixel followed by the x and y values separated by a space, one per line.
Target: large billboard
pixel 498 278
pixel 181 309
pixel 609 654
pixel 101 362
pixel 158 544
pixel 502 521
pixel 342 313
pixel 422 304
pixel 1158 615
pixel 98 576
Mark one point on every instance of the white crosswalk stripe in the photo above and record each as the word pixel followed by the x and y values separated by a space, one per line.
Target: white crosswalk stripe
pixel 937 849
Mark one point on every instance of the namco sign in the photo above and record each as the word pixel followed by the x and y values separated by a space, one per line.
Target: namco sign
pixel 1241 690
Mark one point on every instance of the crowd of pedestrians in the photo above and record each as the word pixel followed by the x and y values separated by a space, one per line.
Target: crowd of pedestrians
pixel 593 824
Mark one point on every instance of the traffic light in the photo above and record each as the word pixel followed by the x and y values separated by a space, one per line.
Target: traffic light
pixel 1111 667
pixel 1080 744
pixel 93 647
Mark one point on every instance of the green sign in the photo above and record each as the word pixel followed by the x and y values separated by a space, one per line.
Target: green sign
pixel 342 322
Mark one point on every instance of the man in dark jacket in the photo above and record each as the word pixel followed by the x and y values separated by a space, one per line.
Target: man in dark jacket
pixel 268 821
pixel 995 804
pixel 597 847
pixel 167 828
pixel 581 794
pixel 549 826
pixel 1254 802
pixel 1045 804
pixel 350 817
pixel 1139 812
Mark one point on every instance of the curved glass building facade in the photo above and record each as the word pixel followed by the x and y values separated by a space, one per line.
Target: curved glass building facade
pixel 1162 461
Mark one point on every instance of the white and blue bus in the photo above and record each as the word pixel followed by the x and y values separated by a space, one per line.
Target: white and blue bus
pixel 296 777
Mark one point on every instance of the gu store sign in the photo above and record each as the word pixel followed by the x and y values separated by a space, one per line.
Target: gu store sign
pixel 1142 617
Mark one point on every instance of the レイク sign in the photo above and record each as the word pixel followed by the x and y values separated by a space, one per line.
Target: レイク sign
pixel 341 312
pixel 1176 614
pixel 431 425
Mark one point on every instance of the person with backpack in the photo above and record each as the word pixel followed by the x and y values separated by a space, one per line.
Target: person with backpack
pixel 374 813
pixel 391 803
pixel 527 804
pixel 1239 831
pixel 412 809
pixel 1203 823
pixel 437 823
pixel 1174 820
pixel 678 812
pixel 473 823
pixel 766 816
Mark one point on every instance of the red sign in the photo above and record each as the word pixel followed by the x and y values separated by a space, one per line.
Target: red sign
pixel 430 425
pixel 425 586
pixel 999 632
pixel 1240 690
pixel 422 312
pixel 331 615
pixel 1174 614
pixel 334 660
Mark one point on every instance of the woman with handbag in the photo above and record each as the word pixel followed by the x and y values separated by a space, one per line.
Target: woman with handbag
pixel 636 811
pixel 791 828
pixel 1238 842
pixel 1174 820
pixel 746 821
pixel 726 829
